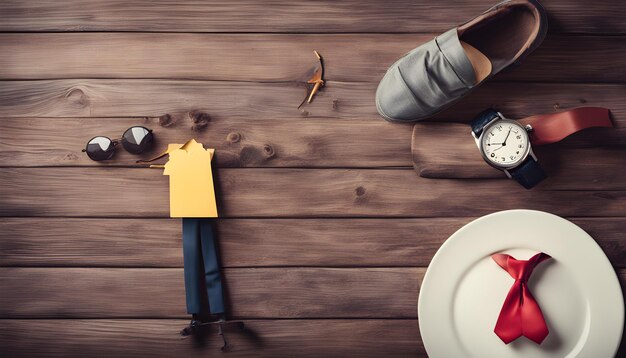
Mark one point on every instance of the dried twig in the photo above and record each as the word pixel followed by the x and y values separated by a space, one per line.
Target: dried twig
pixel 317 80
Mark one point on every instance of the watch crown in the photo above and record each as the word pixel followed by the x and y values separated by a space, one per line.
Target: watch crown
pixel 528 128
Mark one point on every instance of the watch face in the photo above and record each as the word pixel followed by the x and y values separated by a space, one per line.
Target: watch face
pixel 504 144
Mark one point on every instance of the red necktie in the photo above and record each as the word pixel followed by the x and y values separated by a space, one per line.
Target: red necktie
pixel 520 314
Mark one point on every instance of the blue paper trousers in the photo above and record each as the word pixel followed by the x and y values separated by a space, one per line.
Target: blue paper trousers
pixel 203 281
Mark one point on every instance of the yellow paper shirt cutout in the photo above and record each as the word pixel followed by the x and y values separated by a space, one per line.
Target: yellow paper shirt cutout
pixel 191 181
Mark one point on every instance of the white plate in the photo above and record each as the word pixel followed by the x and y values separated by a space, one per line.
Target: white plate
pixel 577 290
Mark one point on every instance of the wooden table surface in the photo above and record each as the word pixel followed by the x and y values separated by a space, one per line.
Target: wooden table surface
pixel 326 229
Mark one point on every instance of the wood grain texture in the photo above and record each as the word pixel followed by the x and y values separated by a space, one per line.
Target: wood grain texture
pixel 251 292
pixel 159 338
pixel 271 101
pixel 239 142
pixel 288 16
pixel 325 250
pixel 242 242
pixel 122 192
pixel 252 242
pixel 276 58
pixel 456 155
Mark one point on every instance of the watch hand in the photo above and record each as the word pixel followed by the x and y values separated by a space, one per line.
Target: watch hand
pixel 498 148
pixel 507 137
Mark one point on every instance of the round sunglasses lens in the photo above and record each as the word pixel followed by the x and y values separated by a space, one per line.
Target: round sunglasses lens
pixel 100 148
pixel 136 140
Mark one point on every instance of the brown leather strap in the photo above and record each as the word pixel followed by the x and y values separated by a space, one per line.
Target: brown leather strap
pixel 554 127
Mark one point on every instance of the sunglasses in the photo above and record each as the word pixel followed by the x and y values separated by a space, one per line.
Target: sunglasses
pixel 135 140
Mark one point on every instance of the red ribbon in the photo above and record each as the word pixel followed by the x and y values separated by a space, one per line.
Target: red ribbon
pixel 520 314
pixel 553 127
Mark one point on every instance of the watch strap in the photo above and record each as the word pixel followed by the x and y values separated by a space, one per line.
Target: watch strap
pixel 481 120
pixel 553 127
pixel 528 174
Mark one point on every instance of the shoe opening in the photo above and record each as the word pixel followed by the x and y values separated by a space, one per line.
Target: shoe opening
pixel 503 34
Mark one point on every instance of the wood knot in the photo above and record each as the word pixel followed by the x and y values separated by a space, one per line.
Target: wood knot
pixel 268 151
pixel 335 104
pixel 166 120
pixel 200 120
pixel 360 191
pixel 255 155
pixel 77 96
pixel 233 137
pixel 71 157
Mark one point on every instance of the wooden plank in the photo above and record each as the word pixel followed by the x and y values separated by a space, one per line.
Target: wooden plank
pixel 288 16
pixel 282 143
pixel 271 101
pixel 456 155
pixel 562 54
pixel 133 192
pixel 251 293
pixel 159 338
pixel 251 242
pixel 239 142
pixel 242 242
pixel 275 58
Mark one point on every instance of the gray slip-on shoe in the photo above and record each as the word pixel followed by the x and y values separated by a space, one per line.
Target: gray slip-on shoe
pixel 437 74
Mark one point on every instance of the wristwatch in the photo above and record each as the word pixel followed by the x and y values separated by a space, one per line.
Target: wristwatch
pixel 505 145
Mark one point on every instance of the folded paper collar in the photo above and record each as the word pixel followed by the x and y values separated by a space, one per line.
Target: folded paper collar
pixel 188 145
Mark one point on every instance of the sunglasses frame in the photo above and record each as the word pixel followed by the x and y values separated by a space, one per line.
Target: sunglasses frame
pixel 114 142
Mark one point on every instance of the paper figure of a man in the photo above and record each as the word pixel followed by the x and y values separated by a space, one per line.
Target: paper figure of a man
pixel 192 198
